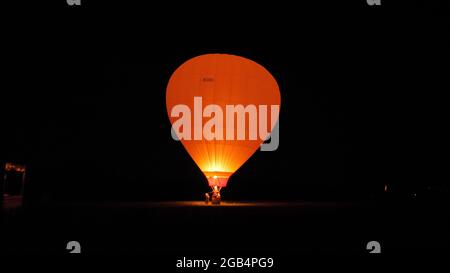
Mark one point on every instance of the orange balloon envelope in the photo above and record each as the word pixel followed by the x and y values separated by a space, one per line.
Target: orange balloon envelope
pixel 222 107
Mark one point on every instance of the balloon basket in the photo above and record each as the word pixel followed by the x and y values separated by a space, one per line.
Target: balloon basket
pixel 213 196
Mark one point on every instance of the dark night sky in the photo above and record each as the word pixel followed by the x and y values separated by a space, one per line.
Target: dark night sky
pixel 83 101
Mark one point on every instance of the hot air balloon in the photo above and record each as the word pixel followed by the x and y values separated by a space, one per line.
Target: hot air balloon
pixel 222 107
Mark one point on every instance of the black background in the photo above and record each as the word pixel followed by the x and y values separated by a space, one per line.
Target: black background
pixel 83 97
pixel 362 88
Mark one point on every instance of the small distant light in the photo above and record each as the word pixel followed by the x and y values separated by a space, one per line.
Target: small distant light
pixel 215 176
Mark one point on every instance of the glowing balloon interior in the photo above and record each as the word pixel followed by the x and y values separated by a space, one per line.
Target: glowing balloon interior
pixel 215 103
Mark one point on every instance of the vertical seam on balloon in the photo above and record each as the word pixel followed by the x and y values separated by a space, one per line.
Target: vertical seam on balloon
pixel 203 149
pixel 221 155
pixel 213 90
pixel 226 158
pixel 223 141
pixel 230 154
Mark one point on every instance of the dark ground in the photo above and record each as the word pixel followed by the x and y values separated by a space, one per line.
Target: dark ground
pixel 233 227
